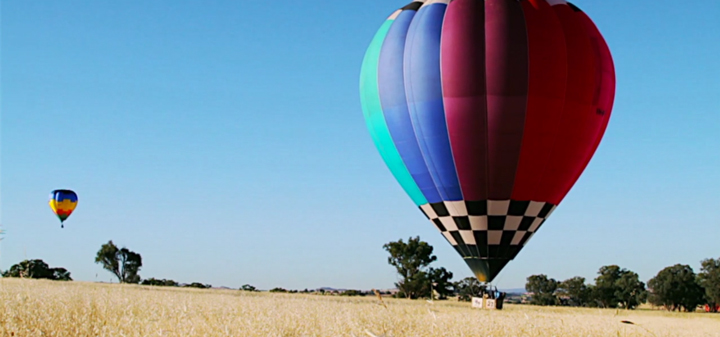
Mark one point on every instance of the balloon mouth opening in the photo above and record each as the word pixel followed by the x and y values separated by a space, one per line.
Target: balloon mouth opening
pixel 485 270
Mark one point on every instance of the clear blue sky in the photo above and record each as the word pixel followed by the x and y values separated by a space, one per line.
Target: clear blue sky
pixel 225 142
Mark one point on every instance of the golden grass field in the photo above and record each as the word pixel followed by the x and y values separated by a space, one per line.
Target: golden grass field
pixel 48 308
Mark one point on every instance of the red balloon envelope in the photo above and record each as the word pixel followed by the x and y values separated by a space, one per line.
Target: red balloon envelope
pixel 487 112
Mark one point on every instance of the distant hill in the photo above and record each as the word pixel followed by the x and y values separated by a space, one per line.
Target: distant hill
pixel 514 290
pixel 331 289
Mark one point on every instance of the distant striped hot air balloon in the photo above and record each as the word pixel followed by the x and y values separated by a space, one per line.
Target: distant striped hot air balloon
pixel 63 203
pixel 487 112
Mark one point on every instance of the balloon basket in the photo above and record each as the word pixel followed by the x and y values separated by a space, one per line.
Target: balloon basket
pixel 487 303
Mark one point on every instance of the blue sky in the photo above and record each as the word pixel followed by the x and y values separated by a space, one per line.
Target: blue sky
pixel 225 142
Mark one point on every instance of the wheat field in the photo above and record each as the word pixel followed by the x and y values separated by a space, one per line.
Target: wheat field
pixel 49 308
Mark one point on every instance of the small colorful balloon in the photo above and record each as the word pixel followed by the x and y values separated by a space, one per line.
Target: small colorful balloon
pixel 63 203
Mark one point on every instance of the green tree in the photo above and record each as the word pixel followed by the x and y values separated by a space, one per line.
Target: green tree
pixel 617 286
pixel 411 260
pixel 61 274
pixel 247 287
pixel 440 280
pixel 418 285
pixel 631 291
pixel 543 289
pixel 197 285
pixel 709 278
pixel 37 269
pixel 605 287
pixel 575 289
pixel 468 288
pixel 676 288
pixel 123 263
pixel 278 290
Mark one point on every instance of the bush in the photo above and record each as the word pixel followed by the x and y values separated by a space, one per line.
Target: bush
pixel 37 269
pixel 198 285
pixel 247 287
pixel 156 282
pixel 352 292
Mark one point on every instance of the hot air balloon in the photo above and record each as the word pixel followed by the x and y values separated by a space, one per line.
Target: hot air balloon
pixel 63 203
pixel 486 113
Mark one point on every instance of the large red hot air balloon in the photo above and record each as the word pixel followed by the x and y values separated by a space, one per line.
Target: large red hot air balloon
pixel 487 112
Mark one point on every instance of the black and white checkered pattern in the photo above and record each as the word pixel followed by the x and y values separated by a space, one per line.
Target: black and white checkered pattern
pixel 494 229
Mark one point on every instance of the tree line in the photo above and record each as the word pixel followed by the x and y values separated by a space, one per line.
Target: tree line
pixel 125 265
pixel 614 287
pixel 675 288
pixel 121 262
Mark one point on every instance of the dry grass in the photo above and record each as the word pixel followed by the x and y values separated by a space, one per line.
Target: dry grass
pixel 47 308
